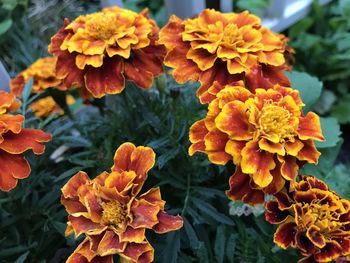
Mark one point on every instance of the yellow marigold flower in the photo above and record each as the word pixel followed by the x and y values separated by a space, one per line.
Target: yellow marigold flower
pixel 97 52
pixel 44 107
pixel 313 219
pixel 112 214
pixel 43 72
pixel 265 134
pixel 14 141
pixel 220 47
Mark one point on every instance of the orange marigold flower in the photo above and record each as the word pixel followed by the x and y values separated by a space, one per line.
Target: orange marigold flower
pixel 97 52
pixel 265 134
pixel 43 72
pixel 14 141
pixel 220 47
pixel 112 214
pixel 313 219
pixel 43 108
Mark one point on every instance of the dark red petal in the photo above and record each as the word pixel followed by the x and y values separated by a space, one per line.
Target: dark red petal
pixel 285 234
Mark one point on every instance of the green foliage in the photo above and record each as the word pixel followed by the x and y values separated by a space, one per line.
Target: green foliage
pixel 191 185
pixel 309 87
pixel 257 7
pixel 31 24
pixel 322 42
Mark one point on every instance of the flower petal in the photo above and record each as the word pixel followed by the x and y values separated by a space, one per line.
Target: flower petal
pixel 310 127
pixel 13 167
pixel 25 140
pixel 257 163
pixel 133 235
pixel 109 244
pixel 233 120
pixel 107 79
pixel 313 233
pixel 240 189
pixel 285 234
pixel 167 223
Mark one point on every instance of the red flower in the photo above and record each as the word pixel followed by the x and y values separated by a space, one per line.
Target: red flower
pixel 112 214
pixel 14 141
pixel 313 219
pixel 225 48
pixel 265 134
pixel 97 52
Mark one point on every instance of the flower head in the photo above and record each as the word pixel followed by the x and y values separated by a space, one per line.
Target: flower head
pixel 110 211
pixel 14 141
pixel 220 47
pixel 313 219
pixel 43 108
pixel 265 134
pixel 43 72
pixel 97 52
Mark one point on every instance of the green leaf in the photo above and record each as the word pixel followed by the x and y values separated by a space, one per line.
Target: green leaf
pixel 325 162
pixel 170 253
pixel 22 258
pixel 211 211
pixel 5 26
pixel 341 111
pixel 331 131
pixel 309 87
pixel 219 247
pixel 68 173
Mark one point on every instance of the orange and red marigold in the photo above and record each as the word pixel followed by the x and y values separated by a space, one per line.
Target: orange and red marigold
pixel 14 141
pixel 112 214
pixel 312 218
pixel 43 72
pixel 265 134
pixel 43 108
pixel 97 52
pixel 224 48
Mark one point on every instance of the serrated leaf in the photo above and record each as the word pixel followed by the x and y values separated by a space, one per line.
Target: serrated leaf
pixel 219 247
pixel 170 252
pixel 191 234
pixel 68 173
pixel 310 88
pixel 211 211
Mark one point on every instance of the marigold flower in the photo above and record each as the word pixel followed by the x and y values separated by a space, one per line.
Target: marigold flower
pixel 313 219
pixel 44 107
pixel 265 134
pixel 112 214
pixel 43 72
pixel 220 47
pixel 97 52
pixel 14 141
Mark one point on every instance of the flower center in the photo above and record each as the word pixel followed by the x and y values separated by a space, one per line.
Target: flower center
pixel 102 25
pixel 231 36
pixel 113 213
pixel 321 216
pixel 275 120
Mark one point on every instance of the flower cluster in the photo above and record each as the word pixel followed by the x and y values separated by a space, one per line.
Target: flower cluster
pixel 43 72
pixel 14 141
pixel 43 108
pixel 223 48
pixel 97 52
pixel 313 219
pixel 265 134
pixel 112 214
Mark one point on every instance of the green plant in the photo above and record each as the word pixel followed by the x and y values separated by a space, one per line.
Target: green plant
pixel 322 42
